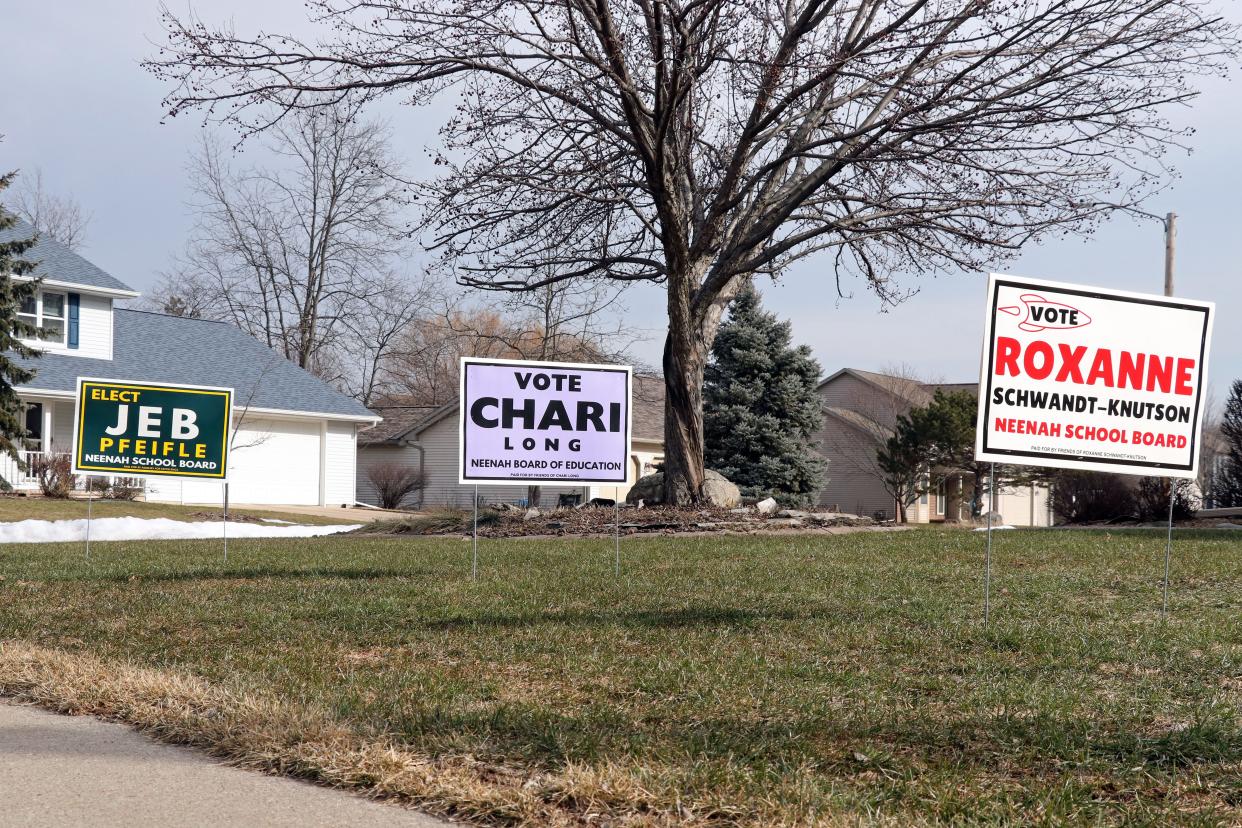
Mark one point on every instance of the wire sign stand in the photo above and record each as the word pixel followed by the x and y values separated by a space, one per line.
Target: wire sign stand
pixel 528 423
pixel 1105 356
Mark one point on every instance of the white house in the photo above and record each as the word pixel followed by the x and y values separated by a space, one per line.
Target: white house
pixel 427 439
pixel 295 436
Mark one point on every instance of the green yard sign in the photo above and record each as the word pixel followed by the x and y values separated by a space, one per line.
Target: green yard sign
pixel 151 428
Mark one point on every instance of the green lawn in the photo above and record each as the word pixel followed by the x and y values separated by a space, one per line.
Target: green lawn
pixel 42 508
pixel 779 680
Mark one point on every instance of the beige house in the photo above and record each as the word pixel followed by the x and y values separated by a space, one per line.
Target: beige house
pixel 426 439
pixel 860 412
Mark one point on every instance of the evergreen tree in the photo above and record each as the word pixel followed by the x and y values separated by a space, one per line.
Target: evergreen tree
pixel 903 459
pixel 12 328
pixel 1228 490
pixel 761 409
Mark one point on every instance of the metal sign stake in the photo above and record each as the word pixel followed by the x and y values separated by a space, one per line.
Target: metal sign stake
pixel 89 498
pixel 474 561
pixel 987 558
pixel 616 502
pixel 226 523
pixel 1168 545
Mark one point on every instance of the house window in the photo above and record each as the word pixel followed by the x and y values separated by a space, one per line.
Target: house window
pixel 924 483
pixel 46 311
pixel 940 498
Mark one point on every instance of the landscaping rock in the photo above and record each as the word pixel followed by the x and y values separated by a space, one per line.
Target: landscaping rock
pixel 717 490
pixel 793 513
pixel 766 507
pixel 532 514
pixel 647 491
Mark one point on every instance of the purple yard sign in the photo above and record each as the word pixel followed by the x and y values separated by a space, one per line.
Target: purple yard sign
pixel 544 422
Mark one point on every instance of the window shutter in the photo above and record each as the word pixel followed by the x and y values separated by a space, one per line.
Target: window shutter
pixel 75 306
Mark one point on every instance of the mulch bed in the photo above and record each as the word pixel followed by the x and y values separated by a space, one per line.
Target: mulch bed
pixel 602 520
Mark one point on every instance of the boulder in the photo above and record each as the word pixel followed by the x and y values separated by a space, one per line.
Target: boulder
pixel 766 506
pixel 717 490
pixel 648 490
pixel 532 514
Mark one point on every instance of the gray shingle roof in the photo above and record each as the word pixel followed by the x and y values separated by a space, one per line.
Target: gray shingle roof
pixel 59 263
pixel 159 348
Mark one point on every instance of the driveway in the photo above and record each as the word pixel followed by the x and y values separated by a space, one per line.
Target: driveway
pixel 80 771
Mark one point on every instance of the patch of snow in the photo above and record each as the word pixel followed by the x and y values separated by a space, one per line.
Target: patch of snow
pixel 994 528
pixel 277 520
pixel 132 528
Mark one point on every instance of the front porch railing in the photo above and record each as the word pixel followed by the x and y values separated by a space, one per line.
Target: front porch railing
pixel 19 480
pixel 12 473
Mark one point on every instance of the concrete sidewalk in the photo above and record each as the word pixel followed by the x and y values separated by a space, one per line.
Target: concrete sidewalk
pixel 80 771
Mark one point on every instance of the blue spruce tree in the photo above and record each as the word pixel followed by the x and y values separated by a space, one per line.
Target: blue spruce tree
pixel 760 407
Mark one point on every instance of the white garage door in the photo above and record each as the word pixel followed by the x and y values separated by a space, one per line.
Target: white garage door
pixel 275 461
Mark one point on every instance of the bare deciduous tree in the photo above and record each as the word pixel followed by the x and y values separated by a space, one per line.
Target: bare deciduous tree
pixel 374 334
pixel 699 143
pixel 60 217
pixel 289 252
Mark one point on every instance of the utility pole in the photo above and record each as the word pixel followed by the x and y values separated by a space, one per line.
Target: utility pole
pixel 1170 242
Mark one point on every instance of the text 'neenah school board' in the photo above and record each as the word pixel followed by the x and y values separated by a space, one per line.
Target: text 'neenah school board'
pixel 544 422
pixel 1081 377
pixel 151 428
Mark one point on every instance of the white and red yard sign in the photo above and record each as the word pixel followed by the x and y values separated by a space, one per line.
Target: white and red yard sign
pixel 1080 377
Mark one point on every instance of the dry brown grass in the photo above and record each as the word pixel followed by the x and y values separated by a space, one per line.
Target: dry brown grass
pixel 274 737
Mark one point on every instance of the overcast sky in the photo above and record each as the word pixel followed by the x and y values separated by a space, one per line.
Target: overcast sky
pixel 77 105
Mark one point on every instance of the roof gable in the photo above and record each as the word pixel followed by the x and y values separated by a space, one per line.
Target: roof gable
pixel 59 265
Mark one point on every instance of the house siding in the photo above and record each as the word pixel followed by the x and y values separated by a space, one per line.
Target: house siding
pixel 95 327
pixel 848 485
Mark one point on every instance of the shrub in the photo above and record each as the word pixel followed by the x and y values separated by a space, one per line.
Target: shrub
pixel 1152 498
pixel 394 482
pixel 1083 497
pixel 54 473
pixel 125 488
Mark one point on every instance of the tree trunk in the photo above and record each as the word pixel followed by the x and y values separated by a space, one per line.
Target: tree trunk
pixel 692 327
pixel 533 497
pixel 684 360
pixel 976 506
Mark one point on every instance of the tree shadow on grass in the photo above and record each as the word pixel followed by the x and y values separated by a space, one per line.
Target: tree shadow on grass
pixel 1043 744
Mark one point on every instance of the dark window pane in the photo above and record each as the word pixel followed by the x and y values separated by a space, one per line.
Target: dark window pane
pixel 34 420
